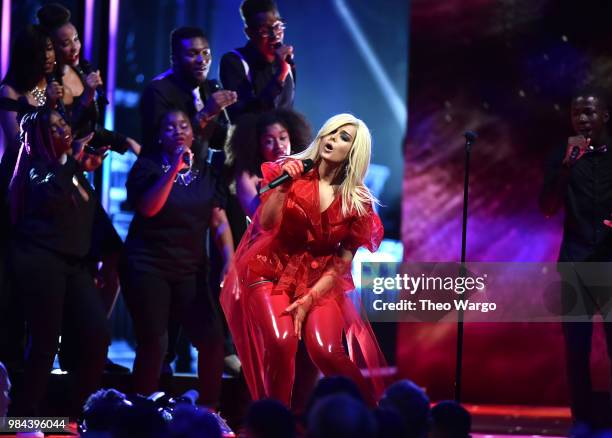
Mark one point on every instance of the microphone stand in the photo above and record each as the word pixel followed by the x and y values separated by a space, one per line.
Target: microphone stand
pixel 470 138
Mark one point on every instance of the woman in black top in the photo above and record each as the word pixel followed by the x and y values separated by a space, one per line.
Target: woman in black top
pixel 82 82
pixel 177 196
pixel 25 85
pixel 78 76
pixel 52 210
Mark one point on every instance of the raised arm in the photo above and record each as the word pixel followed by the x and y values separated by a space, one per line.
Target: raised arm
pixel 154 199
pixel 271 209
pixel 233 77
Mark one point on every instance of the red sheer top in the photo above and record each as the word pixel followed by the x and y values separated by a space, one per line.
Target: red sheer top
pixel 295 255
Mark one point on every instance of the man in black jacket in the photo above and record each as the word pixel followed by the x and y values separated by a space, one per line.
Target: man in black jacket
pixel 262 72
pixel 185 87
pixel 579 178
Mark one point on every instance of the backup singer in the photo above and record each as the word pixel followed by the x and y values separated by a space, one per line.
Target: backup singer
pixel 292 268
pixel 164 271
pixel 578 179
pixel 259 71
pixel 277 134
pixel 52 210
pixel 76 76
pixel 25 83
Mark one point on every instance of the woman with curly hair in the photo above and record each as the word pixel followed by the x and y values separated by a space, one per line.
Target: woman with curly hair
pixel 261 138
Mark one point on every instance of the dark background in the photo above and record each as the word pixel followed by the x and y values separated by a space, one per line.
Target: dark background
pixel 505 69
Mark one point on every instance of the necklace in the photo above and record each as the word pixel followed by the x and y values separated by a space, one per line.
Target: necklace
pixel 39 95
pixel 182 178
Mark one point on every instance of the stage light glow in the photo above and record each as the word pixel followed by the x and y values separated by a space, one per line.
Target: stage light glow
pixel 395 101
pixel 109 116
pixel 89 28
pixel 5 38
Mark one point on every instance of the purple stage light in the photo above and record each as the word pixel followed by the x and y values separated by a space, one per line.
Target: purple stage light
pixel 109 117
pixel 90 6
pixel 6 37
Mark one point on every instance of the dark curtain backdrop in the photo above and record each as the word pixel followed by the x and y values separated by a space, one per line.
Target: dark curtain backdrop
pixel 506 69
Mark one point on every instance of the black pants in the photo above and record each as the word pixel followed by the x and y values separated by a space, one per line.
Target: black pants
pixel 106 246
pixel 586 290
pixel 54 287
pixel 12 320
pixel 153 300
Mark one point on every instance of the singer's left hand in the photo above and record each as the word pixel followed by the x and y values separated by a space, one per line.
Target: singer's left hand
pixel 608 222
pixel 55 92
pixel 93 80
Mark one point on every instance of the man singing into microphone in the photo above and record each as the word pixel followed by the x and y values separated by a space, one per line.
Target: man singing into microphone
pixel 579 178
pixel 261 72
pixel 184 87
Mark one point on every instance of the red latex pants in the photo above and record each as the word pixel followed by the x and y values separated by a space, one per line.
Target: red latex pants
pixel 322 334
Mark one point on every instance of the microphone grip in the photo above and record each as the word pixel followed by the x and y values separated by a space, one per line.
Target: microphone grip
pixel 308 165
pixel 87 68
pixel 288 58
pixel 60 103
pixel 574 154
pixel 187 158
pixel 215 86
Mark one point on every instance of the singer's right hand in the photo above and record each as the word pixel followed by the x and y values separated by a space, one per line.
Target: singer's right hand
pixel 577 141
pixel 218 101
pixel 177 160
pixel 282 52
pixel 294 169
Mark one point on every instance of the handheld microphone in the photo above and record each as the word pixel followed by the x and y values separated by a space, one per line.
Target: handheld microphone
pixel 51 77
pixel 574 154
pixel 86 68
pixel 214 86
pixel 576 150
pixel 288 58
pixel 187 158
pixel 308 164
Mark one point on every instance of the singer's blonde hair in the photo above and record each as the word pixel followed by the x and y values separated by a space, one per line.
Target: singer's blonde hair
pixel 355 195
